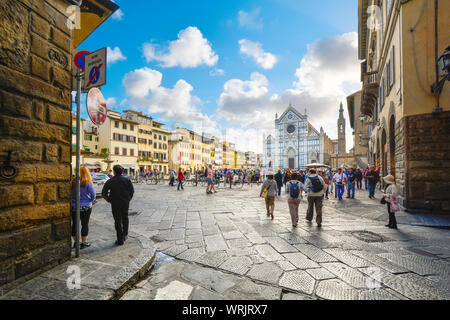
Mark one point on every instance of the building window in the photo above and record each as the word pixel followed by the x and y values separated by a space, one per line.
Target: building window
pixel 124 151
pixel 116 150
pixel 124 138
pixel 116 124
pixel 132 152
pixel 124 126
pixel 165 138
pixel 155 145
pixel 131 127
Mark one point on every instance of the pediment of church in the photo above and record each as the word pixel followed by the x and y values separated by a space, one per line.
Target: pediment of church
pixel 290 114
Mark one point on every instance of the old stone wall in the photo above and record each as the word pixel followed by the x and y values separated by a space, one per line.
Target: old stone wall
pixel 426 159
pixel 35 124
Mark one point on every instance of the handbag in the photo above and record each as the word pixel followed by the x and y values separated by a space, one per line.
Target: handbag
pixel 383 200
pixel 265 192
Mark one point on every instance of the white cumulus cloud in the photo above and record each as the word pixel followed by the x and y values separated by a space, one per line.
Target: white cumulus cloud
pixel 190 50
pixel 115 55
pixel 144 91
pixel 328 73
pixel 254 50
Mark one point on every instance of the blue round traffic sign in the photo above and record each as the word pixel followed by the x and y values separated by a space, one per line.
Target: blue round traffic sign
pixel 80 58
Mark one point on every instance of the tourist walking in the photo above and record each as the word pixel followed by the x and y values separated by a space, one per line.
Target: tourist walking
pixel 294 188
pixel 87 198
pixel 372 179
pixel 351 178
pixel 359 177
pixel 315 186
pixel 180 179
pixel 268 191
pixel 339 179
pixel 390 197
pixel 119 191
pixel 279 181
pixel 210 180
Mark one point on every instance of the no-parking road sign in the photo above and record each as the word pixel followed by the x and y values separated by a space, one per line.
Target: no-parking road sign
pixel 95 69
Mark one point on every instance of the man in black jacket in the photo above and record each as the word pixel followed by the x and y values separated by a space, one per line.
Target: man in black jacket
pixel 119 191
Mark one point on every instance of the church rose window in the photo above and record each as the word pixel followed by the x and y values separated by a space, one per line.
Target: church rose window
pixel 290 128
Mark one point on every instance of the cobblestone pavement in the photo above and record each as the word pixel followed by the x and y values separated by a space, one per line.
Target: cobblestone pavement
pixel 223 246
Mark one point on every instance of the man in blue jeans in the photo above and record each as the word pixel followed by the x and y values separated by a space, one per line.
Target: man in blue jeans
pixel 340 179
pixel 351 178
pixel 372 178
pixel 279 179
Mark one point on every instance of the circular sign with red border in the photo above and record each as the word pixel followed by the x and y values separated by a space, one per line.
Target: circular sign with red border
pixel 96 106
pixel 79 59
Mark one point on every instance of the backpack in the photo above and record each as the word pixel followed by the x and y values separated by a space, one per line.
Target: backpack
pixel 316 185
pixel 294 190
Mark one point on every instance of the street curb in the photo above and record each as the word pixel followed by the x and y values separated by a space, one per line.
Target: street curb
pixel 138 269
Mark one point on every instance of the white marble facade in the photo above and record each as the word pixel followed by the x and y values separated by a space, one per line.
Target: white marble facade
pixel 293 143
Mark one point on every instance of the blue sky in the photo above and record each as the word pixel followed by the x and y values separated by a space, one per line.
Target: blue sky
pixel 210 65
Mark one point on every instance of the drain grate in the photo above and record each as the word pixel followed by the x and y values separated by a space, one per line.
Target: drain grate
pixel 367 236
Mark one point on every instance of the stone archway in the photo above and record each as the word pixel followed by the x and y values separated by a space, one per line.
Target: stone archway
pixel 392 145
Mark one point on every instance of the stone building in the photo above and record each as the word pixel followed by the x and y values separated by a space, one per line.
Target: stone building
pixel 36 54
pixel 119 137
pixel 294 142
pixel 361 129
pixel 399 44
pixel 341 158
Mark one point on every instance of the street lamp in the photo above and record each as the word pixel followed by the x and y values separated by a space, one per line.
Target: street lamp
pixel 444 64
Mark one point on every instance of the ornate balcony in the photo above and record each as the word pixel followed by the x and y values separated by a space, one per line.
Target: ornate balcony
pixel 370 92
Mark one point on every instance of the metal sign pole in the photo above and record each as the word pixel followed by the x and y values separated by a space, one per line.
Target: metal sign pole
pixel 77 219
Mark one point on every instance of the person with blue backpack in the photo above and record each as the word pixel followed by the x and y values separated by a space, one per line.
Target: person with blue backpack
pixel 294 186
pixel 316 187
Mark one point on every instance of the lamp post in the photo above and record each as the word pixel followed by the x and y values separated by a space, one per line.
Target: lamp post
pixel 436 88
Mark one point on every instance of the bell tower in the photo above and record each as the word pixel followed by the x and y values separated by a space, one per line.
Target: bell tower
pixel 341 130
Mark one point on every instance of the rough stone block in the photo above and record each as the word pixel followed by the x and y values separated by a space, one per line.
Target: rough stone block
pixel 62 229
pixel 65 190
pixel 40 68
pixel 32 129
pixel 40 26
pixel 15 105
pixel 40 110
pixel 13 195
pixel 32 238
pixel 57 19
pixel 14 42
pixel 61 40
pixel 41 257
pixel 49 172
pixel 16 81
pixel 7 246
pixel 7 273
pixel 29 216
pixel 65 154
pixel 60 116
pixel 22 150
pixel 61 78
pixel 45 192
pixel 51 152
pixel 39 46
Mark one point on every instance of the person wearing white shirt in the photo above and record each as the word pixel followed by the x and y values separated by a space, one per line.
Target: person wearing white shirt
pixel 340 179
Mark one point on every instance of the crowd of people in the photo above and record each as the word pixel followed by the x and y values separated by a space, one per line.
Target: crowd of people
pixel 316 184
pixel 319 184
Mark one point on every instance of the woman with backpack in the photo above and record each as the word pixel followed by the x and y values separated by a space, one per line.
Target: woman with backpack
pixel 390 198
pixel 294 186
pixel 269 191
